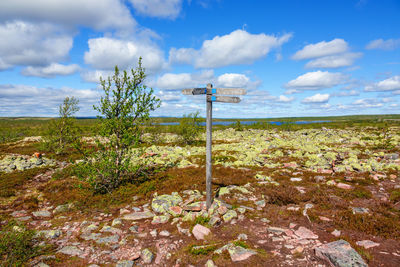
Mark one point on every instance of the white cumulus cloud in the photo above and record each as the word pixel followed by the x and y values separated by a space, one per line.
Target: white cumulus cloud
pixel 97 14
pixel 284 99
pixel 381 44
pixel 322 49
pixel 158 8
pixel 51 70
pixel 106 53
pixel 238 47
pixel 335 61
pixel 316 80
pixel 390 84
pixel 173 81
pixel 233 80
pixel 37 44
pixel 317 98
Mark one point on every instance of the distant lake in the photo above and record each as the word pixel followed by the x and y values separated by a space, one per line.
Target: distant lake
pixel 225 123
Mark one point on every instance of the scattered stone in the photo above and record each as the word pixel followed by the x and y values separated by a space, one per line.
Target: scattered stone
pixel 295 179
pixel 367 244
pixel 134 229
pixel 116 222
pixel 340 253
pixel 63 208
pixel 358 210
pixel 238 253
pixel 305 233
pixel 210 263
pixel 108 239
pixel 138 216
pixel 242 237
pixel 175 211
pixel 325 219
pixel 222 210
pixel 124 263
pixel 231 214
pixel 336 233
pixel 260 203
pixel 71 250
pixel 297 250
pixel 275 230
pixel 147 256
pixel 153 233
pixel 161 219
pixel 41 264
pixel 265 220
pixel 241 210
pixel 199 231
pixel 165 233
pixel 51 234
pixel 344 186
pixel 41 213
pixel 214 220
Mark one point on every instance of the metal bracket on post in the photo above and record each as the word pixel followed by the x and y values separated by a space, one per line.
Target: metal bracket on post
pixel 209 198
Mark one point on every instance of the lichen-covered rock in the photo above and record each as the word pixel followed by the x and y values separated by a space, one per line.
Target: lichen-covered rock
pixel 160 219
pixel 147 256
pixel 231 214
pixel 340 253
pixel 161 204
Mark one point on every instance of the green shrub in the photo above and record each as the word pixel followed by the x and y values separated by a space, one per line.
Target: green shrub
pixel 17 245
pixel 189 128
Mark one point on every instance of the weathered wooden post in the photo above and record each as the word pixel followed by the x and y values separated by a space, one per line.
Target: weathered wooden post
pixel 208 146
pixel 209 91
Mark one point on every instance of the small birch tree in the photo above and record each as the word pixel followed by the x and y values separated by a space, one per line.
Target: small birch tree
pixel 126 104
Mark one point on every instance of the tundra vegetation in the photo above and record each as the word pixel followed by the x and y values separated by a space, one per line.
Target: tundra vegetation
pixel 280 190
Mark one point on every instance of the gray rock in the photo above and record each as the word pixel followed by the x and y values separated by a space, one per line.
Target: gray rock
pixel 71 250
pixel 124 264
pixel 63 208
pixel 340 254
pixel 214 220
pixel 147 256
pixel 358 210
pixel 41 264
pixel 51 234
pixel 275 230
pixel 41 213
pixel 138 216
pixel 108 239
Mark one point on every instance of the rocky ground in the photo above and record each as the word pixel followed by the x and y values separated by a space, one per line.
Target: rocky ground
pixel 304 198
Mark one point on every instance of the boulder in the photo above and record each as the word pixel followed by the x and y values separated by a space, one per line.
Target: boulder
pixel 340 254
pixel 199 231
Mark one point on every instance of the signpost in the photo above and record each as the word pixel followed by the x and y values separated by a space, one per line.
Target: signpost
pixel 211 96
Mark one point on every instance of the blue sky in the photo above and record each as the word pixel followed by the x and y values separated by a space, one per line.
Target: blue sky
pixel 295 58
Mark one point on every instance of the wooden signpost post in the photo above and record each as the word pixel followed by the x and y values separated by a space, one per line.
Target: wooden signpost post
pixel 212 96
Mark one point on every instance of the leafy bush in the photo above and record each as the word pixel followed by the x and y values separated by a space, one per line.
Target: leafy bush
pixel 126 104
pixel 189 128
pixel 17 245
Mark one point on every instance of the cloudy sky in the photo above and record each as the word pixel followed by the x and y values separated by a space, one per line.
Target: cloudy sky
pixel 295 57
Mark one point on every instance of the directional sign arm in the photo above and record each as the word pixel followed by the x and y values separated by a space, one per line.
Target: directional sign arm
pixel 194 91
pixel 225 99
pixel 230 91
